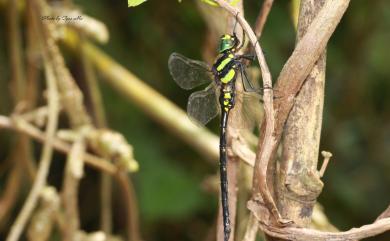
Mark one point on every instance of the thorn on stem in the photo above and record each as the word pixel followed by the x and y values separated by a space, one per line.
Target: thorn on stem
pixel 327 155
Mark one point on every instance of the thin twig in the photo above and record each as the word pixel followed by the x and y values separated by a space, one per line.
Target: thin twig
pixel 132 207
pixel 45 215
pixel 17 69
pixel 46 157
pixel 10 192
pixel 32 59
pixel 262 17
pixel 73 173
pixel 260 21
pixel 19 155
pixel 385 214
pixel 327 155
pixel 18 124
pixel 71 95
pixel 100 121
pixel 22 148
pixel 304 234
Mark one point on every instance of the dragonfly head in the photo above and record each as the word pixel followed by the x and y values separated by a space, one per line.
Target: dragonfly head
pixel 228 42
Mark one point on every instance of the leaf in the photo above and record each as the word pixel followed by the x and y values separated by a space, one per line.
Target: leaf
pixel 133 3
pixel 213 3
pixel 210 2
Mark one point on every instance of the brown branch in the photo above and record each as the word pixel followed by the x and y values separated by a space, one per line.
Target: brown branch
pixel 45 216
pixel 295 71
pixel 18 85
pixel 385 214
pixel 73 173
pixel 128 193
pixel 304 234
pixel 22 148
pixel 262 17
pixel 46 157
pixel 298 183
pixel 100 121
pixel 20 125
pixel 71 95
pixel 260 22
pixel 32 59
pixel 10 192
pixel 305 55
pixel 19 155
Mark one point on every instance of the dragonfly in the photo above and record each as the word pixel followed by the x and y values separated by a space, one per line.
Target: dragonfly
pixel 219 97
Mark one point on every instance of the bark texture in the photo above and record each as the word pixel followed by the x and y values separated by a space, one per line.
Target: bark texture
pixel 299 184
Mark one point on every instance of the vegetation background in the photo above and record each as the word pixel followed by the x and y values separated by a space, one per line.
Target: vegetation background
pixel 172 203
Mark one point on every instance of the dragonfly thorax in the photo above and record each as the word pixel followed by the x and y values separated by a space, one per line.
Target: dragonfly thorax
pixel 224 69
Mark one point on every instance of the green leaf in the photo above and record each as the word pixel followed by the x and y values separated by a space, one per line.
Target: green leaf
pixel 210 2
pixel 213 3
pixel 133 3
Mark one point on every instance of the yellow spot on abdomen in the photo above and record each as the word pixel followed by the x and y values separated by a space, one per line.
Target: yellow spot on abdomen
pixel 228 77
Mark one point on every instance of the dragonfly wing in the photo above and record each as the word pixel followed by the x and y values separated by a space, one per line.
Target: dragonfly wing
pixel 251 111
pixel 247 83
pixel 203 105
pixel 188 73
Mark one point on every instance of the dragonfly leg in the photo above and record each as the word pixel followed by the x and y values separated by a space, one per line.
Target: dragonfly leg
pixel 250 57
pixel 245 80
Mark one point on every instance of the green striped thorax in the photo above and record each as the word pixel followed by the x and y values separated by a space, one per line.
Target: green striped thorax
pixel 228 42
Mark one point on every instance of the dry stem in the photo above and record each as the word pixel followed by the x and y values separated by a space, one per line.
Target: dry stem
pixel 131 203
pixel 297 183
pixel 304 234
pixel 262 17
pixel 46 157
pixel 100 121
pixel 73 173
pixel 20 125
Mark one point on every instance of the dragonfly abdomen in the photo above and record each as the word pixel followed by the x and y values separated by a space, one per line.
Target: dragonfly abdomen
pixel 226 99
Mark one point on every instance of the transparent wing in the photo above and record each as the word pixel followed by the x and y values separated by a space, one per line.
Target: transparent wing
pixel 247 83
pixel 252 110
pixel 249 110
pixel 188 73
pixel 203 105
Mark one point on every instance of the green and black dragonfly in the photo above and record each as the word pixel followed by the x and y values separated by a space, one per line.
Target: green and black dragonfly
pixel 218 97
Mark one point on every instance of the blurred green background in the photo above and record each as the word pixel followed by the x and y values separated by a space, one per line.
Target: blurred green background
pixel 172 203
